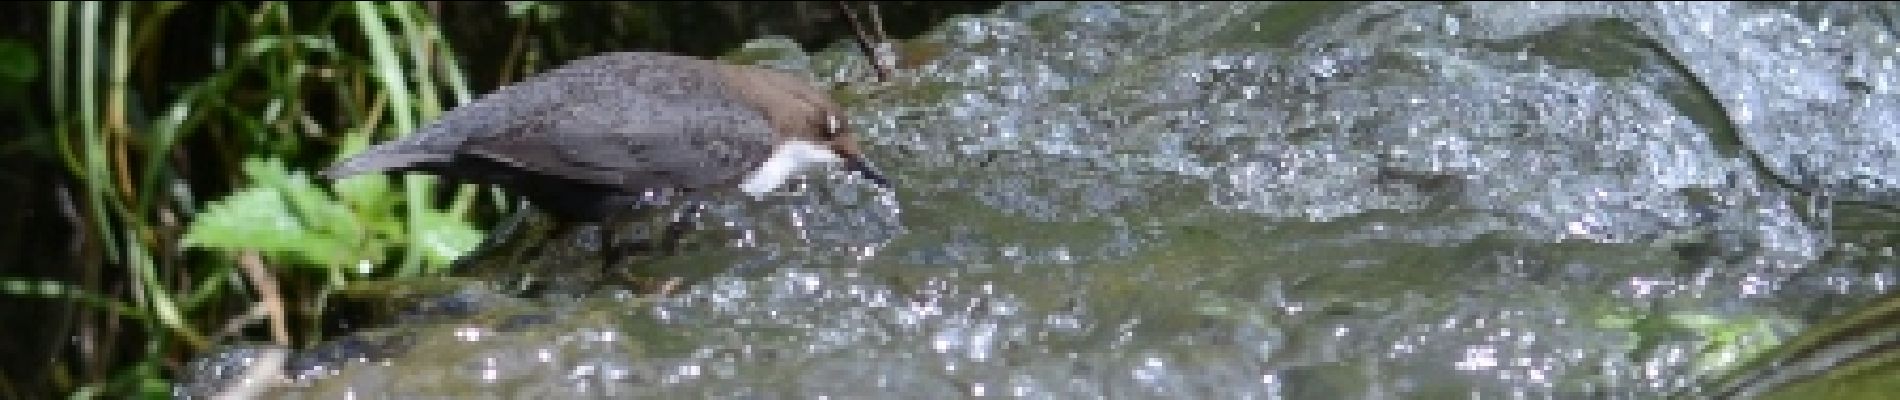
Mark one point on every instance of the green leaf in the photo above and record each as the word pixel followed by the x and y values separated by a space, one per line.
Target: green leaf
pixel 370 197
pixel 62 290
pixel 259 218
pixel 266 173
pixel 251 218
pixel 286 212
pixel 320 251
pixel 443 237
pixel 318 211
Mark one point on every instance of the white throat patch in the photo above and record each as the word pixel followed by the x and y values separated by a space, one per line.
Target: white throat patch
pixel 787 159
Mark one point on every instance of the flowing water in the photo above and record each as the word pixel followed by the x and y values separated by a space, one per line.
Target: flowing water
pixel 1264 200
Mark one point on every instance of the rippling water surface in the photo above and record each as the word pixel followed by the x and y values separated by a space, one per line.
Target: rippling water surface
pixel 1265 200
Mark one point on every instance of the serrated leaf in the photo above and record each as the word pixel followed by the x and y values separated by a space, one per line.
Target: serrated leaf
pixel 261 219
pixel 252 218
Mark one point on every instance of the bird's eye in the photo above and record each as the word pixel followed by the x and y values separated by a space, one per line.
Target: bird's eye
pixel 832 127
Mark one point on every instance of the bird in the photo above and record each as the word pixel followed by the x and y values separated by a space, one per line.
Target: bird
pixel 586 138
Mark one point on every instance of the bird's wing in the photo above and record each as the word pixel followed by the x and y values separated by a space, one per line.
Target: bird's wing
pixel 627 120
pixel 635 143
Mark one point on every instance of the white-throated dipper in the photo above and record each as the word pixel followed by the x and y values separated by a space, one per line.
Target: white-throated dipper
pixel 598 132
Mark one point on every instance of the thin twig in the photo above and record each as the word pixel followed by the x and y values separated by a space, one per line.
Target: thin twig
pixel 235 324
pixel 272 300
pixel 515 46
pixel 667 287
pixel 864 42
pixel 877 23
pixel 887 59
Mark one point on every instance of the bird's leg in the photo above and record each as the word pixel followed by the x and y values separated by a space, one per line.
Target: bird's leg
pixel 609 245
pixel 678 225
pixel 675 226
pixel 608 228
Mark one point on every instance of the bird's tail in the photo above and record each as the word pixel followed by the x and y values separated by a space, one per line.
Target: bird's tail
pixel 387 157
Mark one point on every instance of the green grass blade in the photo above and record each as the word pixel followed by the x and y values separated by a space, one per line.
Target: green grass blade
pixel 451 68
pixel 158 297
pixel 388 68
pixel 416 200
pixel 209 287
pixel 58 14
pixel 94 175
pixel 164 132
pixel 64 291
pixel 407 15
pixel 115 97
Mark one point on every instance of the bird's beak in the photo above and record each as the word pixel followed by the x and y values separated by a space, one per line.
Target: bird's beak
pixel 863 167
